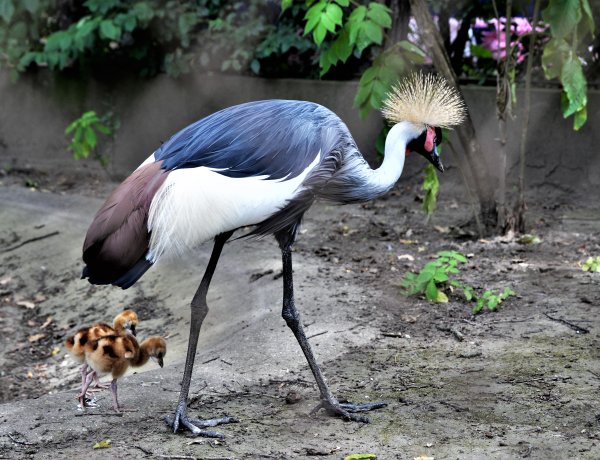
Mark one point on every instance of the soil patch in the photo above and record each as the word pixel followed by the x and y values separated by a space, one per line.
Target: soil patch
pixel 518 382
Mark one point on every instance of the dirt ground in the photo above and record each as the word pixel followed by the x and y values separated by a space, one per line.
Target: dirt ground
pixel 518 382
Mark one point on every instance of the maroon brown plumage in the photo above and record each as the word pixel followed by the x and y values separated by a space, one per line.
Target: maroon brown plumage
pixel 118 238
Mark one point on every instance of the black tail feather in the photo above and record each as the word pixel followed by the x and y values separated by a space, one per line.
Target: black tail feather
pixel 124 281
pixel 133 274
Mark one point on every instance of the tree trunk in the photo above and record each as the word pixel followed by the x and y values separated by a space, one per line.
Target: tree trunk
pixel 400 18
pixel 478 168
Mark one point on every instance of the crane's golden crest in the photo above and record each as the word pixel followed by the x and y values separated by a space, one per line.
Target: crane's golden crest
pixel 424 99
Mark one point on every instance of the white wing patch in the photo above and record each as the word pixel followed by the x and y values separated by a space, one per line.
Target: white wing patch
pixel 195 204
pixel 150 159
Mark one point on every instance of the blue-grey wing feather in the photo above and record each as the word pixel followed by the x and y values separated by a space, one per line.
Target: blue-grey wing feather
pixel 274 138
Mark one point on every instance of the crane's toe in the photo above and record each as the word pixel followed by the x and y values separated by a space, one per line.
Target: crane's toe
pixel 348 410
pixel 195 426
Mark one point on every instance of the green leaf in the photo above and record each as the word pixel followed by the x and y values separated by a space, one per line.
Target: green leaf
pixel 555 54
pixel 102 444
pixel 373 32
pixel 342 2
pixel 285 4
pixel 588 16
pixel 440 277
pixel 102 128
pixel 480 51
pixel 580 118
pixel 334 13
pixel 379 14
pixel 468 292
pixel 562 16
pixel 574 85
pixel 327 22
pixel 143 12
pixel 441 298
pixel 90 137
pixel 7 9
pixel 127 22
pixel 109 30
pixel 360 457
pixel 313 17
pixel 493 302
pixel 431 185
pixel 432 291
pixel 319 33
pixel 31 5
pixel 412 52
pixel 453 255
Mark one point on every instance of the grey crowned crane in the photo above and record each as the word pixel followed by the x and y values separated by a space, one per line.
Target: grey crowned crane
pixel 258 164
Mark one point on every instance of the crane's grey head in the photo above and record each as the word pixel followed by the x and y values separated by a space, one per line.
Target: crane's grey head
pixel 420 105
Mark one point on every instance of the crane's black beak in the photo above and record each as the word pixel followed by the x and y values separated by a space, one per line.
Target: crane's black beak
pixel 434 158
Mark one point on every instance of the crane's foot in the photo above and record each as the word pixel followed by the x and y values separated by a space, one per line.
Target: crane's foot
pixel 196 426
pixel 348 410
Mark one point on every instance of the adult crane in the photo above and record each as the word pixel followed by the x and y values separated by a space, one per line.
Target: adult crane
pixel 258 164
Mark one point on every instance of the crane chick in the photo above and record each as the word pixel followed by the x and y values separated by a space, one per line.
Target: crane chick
pixel 124 323
pixel 113 354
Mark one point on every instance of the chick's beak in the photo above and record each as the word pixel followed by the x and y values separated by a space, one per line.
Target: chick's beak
pixel 160 362
pixel 132 329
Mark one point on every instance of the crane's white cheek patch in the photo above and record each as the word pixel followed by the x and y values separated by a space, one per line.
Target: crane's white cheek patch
pixel 195 204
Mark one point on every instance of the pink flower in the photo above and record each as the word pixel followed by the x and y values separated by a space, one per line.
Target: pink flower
pixel 495 42
pixel 522 26
pixel 480 24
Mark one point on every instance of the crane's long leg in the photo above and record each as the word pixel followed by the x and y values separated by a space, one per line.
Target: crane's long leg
pixel 199 310
pixel 292 318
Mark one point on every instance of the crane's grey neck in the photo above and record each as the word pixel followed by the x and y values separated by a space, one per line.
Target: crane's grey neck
pixel 356 181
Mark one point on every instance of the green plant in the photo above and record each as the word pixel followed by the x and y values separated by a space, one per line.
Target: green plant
pixel 147 36
pixel 431 186
pixel 84 139
pixel 490 299
pixel 592 264
pixel 432 275
pixel 436 277
pixel 570 23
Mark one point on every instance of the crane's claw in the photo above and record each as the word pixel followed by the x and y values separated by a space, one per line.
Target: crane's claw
pixel 195 425
pixel 347 410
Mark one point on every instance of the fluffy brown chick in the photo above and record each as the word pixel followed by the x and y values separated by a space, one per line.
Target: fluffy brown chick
pixel 124 323
pixel 113 354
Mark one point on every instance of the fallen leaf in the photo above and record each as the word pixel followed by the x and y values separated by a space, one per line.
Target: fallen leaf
pixel 406 257
pixel 441 297
pixel 29 375
pixel 360 457
pixel 39 297
pixel 55 351
pixel 424 457
pixel 46 323
pixel 529 239
pixel 440 229
pixel 408 242
pixel 36 337
pixel 102 444
pixel 196 441
pixel 26 303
